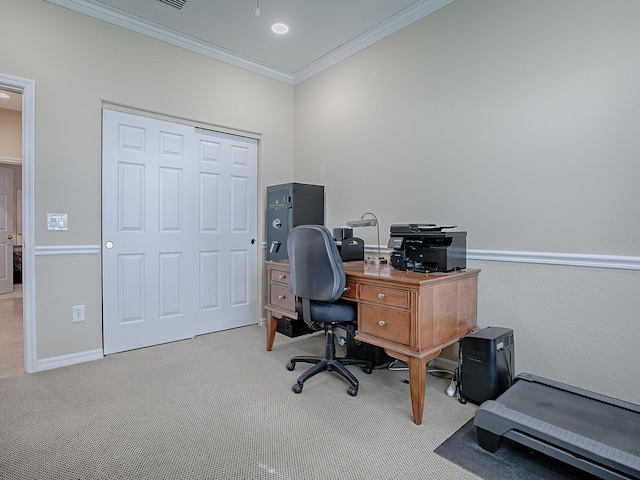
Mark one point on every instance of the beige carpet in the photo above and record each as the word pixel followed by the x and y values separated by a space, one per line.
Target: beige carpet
pixel 220 407
pixel 11 336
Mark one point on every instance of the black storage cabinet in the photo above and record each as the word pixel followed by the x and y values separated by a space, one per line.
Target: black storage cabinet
pixel 290 205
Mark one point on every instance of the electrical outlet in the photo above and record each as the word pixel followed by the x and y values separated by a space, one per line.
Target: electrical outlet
pixel 77 313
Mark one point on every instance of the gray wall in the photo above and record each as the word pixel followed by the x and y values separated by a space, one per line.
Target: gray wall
pixel 514 119
pixel 517 121
pixel 78 63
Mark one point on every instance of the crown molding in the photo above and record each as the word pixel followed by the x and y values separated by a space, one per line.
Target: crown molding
pixel 153 30
pixel 392 25
pixel 103 12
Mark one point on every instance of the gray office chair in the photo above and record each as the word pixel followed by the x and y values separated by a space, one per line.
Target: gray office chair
pixel 318 280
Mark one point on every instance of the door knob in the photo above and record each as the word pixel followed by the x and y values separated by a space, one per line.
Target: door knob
pixel 9 237
pixel 109 244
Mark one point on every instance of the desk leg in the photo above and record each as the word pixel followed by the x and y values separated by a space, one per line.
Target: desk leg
pixel 272 324
pixel 417 381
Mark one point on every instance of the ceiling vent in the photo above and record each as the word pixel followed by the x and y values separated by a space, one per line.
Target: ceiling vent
pixel 175 4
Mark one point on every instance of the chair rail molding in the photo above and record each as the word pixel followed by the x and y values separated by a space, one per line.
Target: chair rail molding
pixel 11 161
pixel 44 250
pixel 569 259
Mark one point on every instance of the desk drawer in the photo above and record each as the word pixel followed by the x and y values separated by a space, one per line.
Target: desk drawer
pixel 384 296
pixel 282 298
pixel 350 290
pixel 384 323
pixel 279 276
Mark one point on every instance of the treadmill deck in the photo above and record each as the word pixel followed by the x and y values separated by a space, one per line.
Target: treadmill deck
pixel 585 429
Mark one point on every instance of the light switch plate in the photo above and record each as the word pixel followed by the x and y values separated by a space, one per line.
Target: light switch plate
pixel 57 221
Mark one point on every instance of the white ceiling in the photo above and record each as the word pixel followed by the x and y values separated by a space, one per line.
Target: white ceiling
pixel 14 102
pixel 322 32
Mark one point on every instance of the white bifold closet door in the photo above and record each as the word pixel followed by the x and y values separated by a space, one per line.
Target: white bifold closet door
pixel 179 226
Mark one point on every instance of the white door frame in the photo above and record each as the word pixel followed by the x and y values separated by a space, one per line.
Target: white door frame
pixel 7 229
pixel 28 89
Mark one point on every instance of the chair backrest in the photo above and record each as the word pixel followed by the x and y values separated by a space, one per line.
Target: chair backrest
pixel 316 267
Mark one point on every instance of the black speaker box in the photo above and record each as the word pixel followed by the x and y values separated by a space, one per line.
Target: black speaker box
pixel 365 351
pixel 487 362
pixel 292 328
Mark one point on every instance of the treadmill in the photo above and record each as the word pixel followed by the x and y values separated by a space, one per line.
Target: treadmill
pixel 592 432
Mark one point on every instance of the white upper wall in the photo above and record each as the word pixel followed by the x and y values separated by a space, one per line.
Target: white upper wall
pixel 516 120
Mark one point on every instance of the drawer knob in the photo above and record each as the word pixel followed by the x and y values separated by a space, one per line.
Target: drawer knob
pixel 281 297
pixel 282 277
pixel 381 323
pixel 381 296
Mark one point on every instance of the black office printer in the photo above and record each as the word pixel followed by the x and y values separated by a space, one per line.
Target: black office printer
pixel 426 247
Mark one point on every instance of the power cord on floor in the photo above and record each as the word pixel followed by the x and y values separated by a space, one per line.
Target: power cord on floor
pixel 399 366
pixel 404 367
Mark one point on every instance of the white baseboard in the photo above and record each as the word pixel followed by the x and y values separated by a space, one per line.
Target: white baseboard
pixel 71 359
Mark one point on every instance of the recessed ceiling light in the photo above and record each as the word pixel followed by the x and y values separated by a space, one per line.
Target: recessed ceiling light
pixel 3 95
pixel 279 28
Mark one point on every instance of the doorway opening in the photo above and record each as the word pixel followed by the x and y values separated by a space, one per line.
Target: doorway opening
pixel 24 263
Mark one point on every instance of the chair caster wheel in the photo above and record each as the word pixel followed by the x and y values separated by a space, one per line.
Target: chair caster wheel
pixel 367 370
pixel 297 388
pixel 353 391
pixel 291 366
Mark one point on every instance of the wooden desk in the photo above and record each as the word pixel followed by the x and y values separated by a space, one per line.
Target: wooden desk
pixel 413 316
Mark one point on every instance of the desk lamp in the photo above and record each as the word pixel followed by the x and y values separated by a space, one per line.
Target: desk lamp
pixel 369 222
